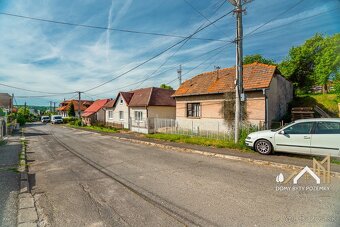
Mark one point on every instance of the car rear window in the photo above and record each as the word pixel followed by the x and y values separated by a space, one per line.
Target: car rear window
pixel 327 128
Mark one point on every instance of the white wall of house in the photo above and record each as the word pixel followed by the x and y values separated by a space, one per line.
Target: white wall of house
pixel 119 114
pixel 139 120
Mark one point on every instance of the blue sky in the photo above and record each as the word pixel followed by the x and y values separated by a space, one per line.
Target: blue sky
pixel 59 58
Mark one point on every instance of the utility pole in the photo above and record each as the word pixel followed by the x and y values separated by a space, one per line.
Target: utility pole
pixel 12 101
pixel 50 107
pixel 179 72
pixel 53 107
pixel 239 95
pixel 25 111
pixel 79 97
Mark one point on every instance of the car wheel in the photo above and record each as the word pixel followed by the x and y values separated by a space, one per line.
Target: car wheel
pixel 263 147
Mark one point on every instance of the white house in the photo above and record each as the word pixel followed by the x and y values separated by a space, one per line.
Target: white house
pixel 136 110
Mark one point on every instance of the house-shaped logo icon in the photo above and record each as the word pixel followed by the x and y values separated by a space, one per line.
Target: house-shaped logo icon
pixel 306 170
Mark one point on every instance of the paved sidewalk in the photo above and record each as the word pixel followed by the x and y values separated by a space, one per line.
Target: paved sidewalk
pixel 282 158
pixel 9 181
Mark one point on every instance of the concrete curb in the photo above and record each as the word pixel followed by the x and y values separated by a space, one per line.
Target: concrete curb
pixel 229 157
pixel 27 213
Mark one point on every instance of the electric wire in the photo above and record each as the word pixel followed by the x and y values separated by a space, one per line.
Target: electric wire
pixel 103 28
pixel 157 55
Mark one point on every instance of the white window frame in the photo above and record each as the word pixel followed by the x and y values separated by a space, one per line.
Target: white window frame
pixel 194 110
pixel 110 112
pixel 121 115
pixel 139 116
pixel 121 101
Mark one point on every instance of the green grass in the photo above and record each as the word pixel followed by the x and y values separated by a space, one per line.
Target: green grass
pixel 96 128
pixel 219 143
pixel 2 142
pixel 335 161
pixel 328 102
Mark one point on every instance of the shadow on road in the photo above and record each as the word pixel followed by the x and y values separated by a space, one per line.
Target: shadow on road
pixel 30 134
pixel 31 180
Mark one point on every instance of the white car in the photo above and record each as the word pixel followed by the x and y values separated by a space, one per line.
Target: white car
pixel 318 136
pixel 45 119
pixel 56 119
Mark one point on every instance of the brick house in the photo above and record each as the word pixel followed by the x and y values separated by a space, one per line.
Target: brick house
pixel 135 110
pixel 95 113
pixel 65 106
pixel 200 101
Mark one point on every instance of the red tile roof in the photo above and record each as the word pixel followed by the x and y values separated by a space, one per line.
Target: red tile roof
pixel 65 105
pixel 255 76
pixel 95 107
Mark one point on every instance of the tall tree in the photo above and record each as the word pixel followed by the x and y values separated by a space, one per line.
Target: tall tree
pixel 166 87
pixel 257 58
pixel 337 84
pixel 313 63
pixel 71 112
pixel 327 62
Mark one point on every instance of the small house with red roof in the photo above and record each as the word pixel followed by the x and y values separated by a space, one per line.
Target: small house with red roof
pixel 136 110
pixel 95 113
pixel 66 104
pixel 202 102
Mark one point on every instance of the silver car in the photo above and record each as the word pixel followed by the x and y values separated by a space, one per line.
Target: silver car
pixel 318 136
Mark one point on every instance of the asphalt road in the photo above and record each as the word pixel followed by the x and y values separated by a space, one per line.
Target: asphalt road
pixel 9 182
pixel 86 179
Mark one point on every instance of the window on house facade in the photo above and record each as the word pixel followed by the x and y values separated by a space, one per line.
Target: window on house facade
pixel 138 115
pixel 110 114
pixel 121 115
pixel 121 101
pixel 193 110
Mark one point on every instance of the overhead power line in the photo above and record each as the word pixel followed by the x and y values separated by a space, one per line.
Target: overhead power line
pixel 164 71
pixel 104 28
pixel 172 55
pixel 274 18
pixel 24 89
pixel 159 54
pixel 202 15
pixel 292 22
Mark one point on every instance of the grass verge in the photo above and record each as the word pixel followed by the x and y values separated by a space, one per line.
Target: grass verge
pixel 95 128
pixel 335 161
pixel 328 102
pixel 219 143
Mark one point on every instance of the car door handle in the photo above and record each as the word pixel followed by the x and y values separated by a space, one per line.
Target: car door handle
pixel 306 137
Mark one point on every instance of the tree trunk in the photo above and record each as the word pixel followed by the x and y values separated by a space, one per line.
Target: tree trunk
pixel 324 89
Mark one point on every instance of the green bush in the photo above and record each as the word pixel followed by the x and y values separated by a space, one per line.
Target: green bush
pixel 76 122
pixel 21 119
pixel 67 120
